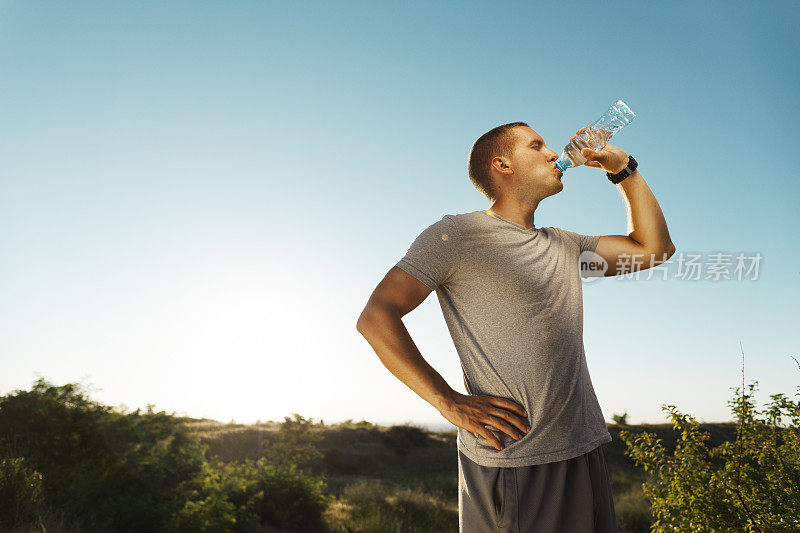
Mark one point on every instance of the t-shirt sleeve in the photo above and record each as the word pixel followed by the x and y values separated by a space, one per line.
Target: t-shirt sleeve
pixel 584 242
pixel 433 256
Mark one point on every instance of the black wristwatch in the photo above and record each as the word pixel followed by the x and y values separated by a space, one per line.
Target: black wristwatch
pixel 625 172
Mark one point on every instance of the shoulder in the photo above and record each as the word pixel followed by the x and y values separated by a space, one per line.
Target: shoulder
pixel 448 223
pixel 439 235
pixel 560 233
pixel 582 241
pixel 455 222
pixel 470 220
pixel 563 237
pixel 564 234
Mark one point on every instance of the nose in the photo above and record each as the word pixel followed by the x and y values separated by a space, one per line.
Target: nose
pixel 553 156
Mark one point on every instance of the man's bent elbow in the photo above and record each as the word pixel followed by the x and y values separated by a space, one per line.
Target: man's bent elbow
pixel 361 324
pixel 670 250
pixel 662 255
pixel 375 315
pixel 364 320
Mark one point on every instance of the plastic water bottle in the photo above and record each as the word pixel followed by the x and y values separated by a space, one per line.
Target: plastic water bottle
pixel 596 135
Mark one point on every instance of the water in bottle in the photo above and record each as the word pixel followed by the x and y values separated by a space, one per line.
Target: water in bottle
pixel 596 135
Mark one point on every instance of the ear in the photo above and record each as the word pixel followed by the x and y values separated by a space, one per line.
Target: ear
pixel 501 165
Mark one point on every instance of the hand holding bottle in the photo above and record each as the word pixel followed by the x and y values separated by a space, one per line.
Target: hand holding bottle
pixel 595 136
pixel 610 158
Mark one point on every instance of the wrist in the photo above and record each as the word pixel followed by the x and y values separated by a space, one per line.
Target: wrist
pixel 619 169
pixel 445 400
pixel 621 165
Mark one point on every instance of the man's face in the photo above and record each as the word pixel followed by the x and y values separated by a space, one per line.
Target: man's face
pixel 534 165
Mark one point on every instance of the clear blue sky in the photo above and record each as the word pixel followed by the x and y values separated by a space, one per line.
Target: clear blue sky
pixel 199 197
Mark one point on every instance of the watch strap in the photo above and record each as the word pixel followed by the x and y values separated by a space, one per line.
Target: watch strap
pixel 629 169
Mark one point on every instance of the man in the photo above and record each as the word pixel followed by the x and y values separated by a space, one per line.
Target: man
pixel 530 428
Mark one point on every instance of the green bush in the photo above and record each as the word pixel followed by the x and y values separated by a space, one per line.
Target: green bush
pixel 217 500
pixel 751 484
pixel 289 497
pixel 107 470
pixel 102 470
pixel 238 495
pixel 295 443
pixel 621 420
pixel 20 494
pixel 402 438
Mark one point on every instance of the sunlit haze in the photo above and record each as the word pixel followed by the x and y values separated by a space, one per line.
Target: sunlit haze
pixel 199 197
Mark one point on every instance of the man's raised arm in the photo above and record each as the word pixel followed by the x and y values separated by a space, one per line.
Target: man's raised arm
pixel 381 324
pixel 648 242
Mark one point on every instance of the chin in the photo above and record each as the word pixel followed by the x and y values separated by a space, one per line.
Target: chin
pixel 553 191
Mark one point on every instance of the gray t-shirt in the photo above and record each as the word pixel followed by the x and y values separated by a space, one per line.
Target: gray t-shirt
pixel 512 300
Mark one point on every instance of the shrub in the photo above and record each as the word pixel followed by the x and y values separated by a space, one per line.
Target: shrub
pixel 237 496
pixel 288 497
pixel 108 470
pixel 295 443
pixel 752 484
pixel 103 470
pixel 621 420
pixel 20 494
pixel 402 438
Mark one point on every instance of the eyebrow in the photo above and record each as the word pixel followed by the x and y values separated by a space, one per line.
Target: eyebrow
pixel 536 141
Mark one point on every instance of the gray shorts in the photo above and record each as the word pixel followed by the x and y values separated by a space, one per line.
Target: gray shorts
pixel 565 496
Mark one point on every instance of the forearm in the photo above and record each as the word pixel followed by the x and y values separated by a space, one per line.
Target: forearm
pixel 388 336
pixel 646 223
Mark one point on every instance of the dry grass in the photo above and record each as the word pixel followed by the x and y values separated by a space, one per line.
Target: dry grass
pixel 404 478
pixel 377 506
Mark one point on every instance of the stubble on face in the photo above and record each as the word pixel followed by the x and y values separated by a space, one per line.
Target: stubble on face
pixel 538 177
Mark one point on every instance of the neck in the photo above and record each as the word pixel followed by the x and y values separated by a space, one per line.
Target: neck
pixel 520 212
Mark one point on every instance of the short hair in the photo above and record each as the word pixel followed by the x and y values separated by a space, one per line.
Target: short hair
pixel 496 142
